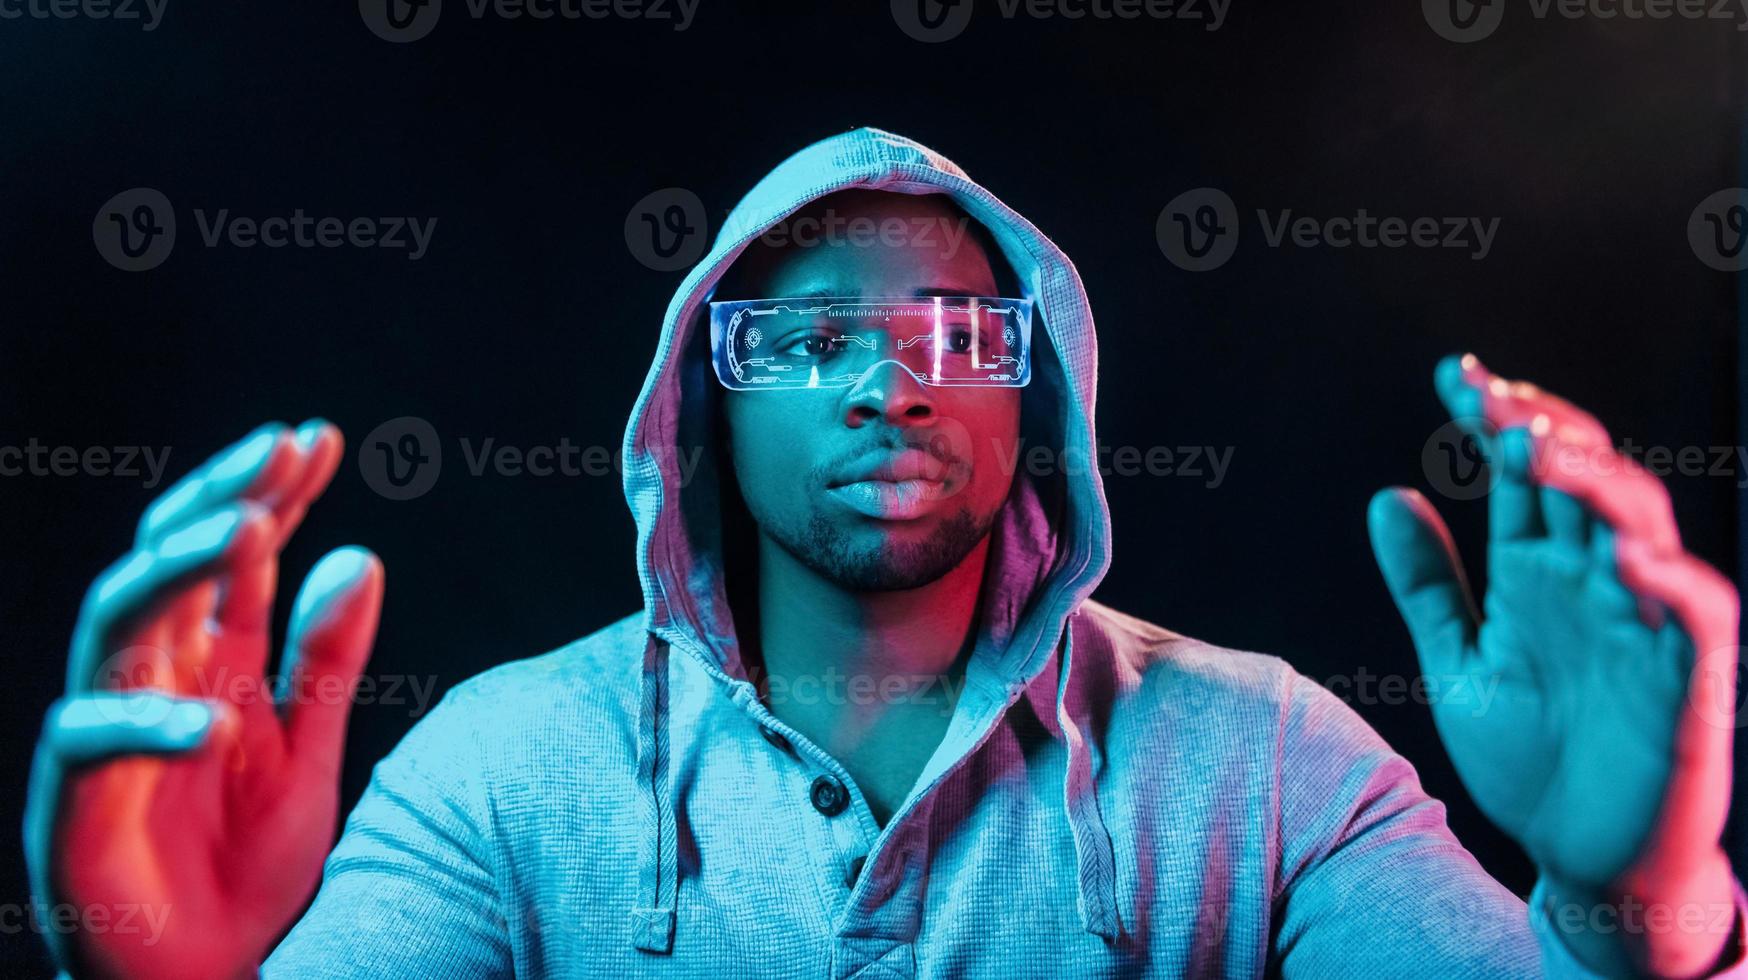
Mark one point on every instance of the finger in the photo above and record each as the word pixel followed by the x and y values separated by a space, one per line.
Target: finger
pixel 1424 575
pixel 144 581
pixel 1508 403
pixel 246 601
pixel 1567 520
pixel 1514 509
pixel 1702 599
pixel 92 728
pixel 1707 608
pixel 1615 488
pixel 1572 452
pixel 333 624
pixel 264 459
pixel 1513 512
pixel 323 447
pixel 1610 596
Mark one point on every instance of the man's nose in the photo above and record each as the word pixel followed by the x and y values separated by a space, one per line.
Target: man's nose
pixel 890 392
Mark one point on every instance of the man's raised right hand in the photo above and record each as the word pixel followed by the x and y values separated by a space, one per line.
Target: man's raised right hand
pixel 174 786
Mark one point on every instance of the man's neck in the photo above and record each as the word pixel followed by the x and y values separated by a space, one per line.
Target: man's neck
pixel 872 677
pixel 808 622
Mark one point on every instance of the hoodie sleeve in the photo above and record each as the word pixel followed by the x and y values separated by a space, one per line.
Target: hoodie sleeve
pixel 1371 880
pixel 409 889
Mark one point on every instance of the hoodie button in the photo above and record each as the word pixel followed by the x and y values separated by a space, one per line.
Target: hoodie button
pixel 829 796
pixel 772 736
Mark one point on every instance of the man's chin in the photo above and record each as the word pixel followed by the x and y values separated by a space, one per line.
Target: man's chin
pixel 889 556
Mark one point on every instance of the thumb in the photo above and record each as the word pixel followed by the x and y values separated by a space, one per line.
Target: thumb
pixel 1424 575
pixel 333 624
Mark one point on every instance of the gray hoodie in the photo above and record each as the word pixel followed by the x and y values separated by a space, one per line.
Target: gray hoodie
pixel 1110 799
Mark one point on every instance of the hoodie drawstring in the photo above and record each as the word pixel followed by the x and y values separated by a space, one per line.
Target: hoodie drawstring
pixel 658 874
pixel 1095 861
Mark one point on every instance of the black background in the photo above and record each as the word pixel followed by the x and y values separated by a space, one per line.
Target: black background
pixel 530 320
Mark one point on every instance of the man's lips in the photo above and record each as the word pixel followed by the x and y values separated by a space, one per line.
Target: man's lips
pixel 892 486
pixel 899 467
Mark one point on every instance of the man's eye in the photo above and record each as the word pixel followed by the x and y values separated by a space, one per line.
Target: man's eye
pixel 959 342
pixel 811 345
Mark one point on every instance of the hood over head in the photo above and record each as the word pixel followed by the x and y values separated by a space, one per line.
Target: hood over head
pixel 1050 544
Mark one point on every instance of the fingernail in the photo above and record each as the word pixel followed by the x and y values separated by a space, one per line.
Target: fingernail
pixel 1456 386
pixel 249 455
pixel 309 432
pixel 188 720
pixel 1474 372
pixel 339 570
pixel 1380 508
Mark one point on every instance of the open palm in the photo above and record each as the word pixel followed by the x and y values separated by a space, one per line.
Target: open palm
pixel 1580 718
pixel 175 794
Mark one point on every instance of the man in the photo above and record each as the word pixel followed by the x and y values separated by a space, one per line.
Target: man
pixel 1037 785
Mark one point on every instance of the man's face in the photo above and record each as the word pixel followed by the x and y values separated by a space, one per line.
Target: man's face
pixel 890 483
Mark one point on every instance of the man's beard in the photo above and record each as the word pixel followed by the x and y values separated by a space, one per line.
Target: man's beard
pixel 822 546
